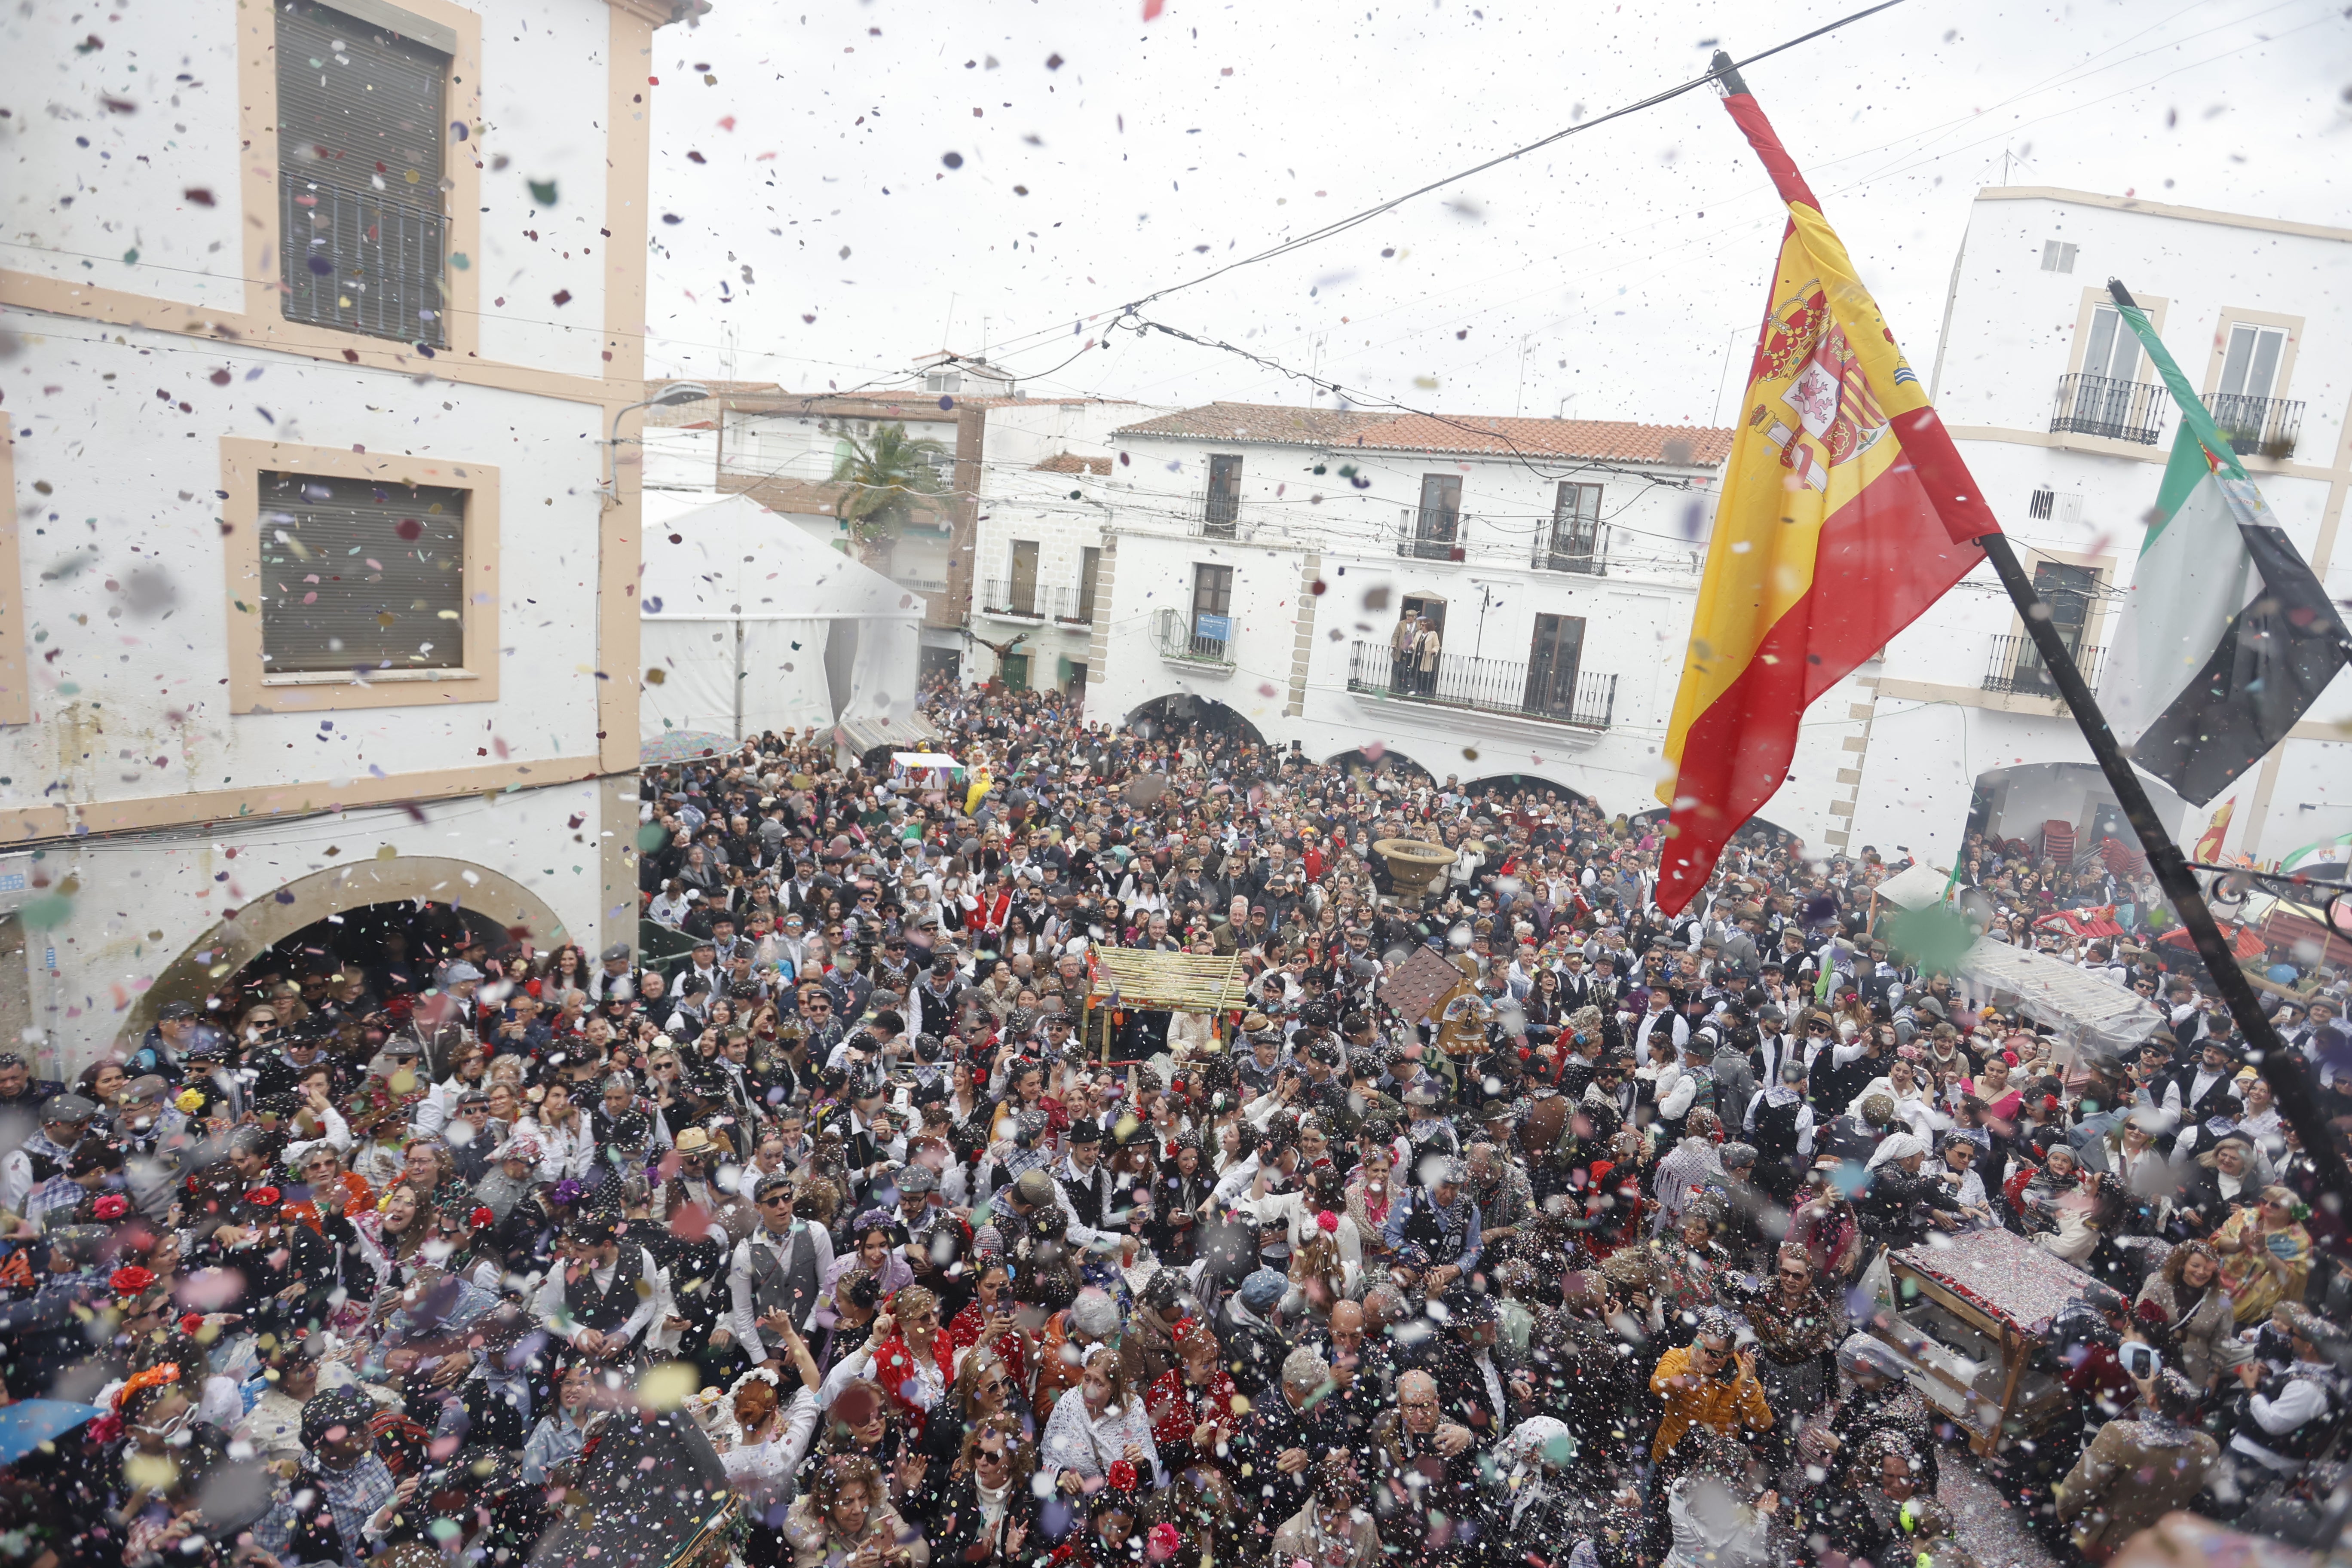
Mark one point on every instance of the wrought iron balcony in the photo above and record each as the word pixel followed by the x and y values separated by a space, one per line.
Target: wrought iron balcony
pixel 1587 699
pixel 1023 601
pixel 1559 551
pixel 2118 410
pixel 1180 637
pixel 1436 535
pixel 2263 426
pixel 1214 514
pixel 2015 667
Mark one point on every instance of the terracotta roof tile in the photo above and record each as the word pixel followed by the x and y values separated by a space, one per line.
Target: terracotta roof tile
pixel 1482 434
pixel 1071 463
pixel 1264 422
pixel 1612 439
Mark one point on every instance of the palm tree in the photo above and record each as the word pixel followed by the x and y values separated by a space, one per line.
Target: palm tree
pixel 884 476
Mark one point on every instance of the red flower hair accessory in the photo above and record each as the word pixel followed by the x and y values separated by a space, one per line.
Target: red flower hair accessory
pixel 482 1218
pixel 1122 1478
pixel 131 1280
pixel 190 1322
pixel 112 1206
pixel 1327 1222
pixel 263 1197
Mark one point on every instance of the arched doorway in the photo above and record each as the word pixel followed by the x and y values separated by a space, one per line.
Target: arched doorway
pixel 1526 784
pixel 305 921
pixel 1182 712
pixel 1387 764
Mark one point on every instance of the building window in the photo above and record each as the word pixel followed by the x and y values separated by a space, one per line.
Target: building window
pixel 2111 351
pixel 1573 542
pixel 1212 611
pixel 1089 573
pixel 1221 504
pixel 1553 658
pixel 2057 255
pixel 361 576
pixel 2050 505
pixel 362 229
pixel 1438 524
pixel 2250 367
pixel 943 380
pixel 1021 594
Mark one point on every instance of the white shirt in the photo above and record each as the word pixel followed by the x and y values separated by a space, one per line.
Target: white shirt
pixel 1076 1439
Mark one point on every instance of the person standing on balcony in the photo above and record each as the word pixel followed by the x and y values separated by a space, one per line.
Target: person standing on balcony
pixel 1426 649
pixel 1401 645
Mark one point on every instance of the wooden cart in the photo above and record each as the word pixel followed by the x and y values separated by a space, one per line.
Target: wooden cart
pixel 1122 979
pixel 1969 1317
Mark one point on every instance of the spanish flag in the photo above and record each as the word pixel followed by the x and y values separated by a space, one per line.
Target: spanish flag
pixel 1844 513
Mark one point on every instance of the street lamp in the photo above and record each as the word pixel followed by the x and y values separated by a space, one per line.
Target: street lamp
pixel 670 396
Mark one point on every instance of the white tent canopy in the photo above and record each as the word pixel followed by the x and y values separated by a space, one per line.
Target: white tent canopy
pixel 1917 886
pixel 739 616
pixel 2097 1017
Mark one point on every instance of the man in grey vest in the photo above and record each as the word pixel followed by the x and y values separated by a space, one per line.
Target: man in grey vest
pixel 776 1275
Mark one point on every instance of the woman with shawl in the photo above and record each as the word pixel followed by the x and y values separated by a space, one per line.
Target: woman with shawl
pixel 2265 1254
pixel 1798 1324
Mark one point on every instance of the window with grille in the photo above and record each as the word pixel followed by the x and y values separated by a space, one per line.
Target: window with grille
pixel 361 576
pixel 363 227
pixel 1574 543
pixel 2057 255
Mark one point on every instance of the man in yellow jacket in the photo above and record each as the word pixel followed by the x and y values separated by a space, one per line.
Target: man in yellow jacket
pixel 1704 1383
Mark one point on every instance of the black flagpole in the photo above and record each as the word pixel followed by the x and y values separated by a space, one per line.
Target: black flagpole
pixel 2281 1068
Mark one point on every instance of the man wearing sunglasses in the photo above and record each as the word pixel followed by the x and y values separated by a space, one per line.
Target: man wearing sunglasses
pixel 775 1275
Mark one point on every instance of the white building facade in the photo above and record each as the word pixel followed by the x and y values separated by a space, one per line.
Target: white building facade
pixel 314 598
pixel 1258 561
pixel 2059 416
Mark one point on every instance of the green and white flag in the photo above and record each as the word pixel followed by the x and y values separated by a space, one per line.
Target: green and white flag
pixel 2226 637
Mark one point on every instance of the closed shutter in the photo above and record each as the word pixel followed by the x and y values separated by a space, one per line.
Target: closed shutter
pixel 356 575
pixel 361 219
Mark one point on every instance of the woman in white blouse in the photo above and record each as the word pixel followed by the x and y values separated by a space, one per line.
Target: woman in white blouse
pixel 1094 1427
pixel 567 1146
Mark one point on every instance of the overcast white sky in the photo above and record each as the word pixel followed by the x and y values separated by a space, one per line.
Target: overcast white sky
pixel 1614 267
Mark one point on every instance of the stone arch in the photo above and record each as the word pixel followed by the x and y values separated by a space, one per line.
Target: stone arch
pixel 1542 783
pixel 1390 761
pixel 1188 706
pixel 269 920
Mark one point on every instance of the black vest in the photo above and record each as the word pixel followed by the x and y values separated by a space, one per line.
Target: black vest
pixel 1085 1196
pixel 2310 1438
pixel 606 1310
pixel 788 1281
pixel 1776 1128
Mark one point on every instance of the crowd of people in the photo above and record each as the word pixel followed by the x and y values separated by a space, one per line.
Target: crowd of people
pixel 868 1232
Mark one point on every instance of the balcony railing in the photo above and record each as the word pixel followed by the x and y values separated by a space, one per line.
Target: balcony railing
pixel 1569 553
pixel 2015 666
pixel 1436 535
pixel 2264 426
pixel 1214 514
pixel 1178 636
pixel 2118 410
pixel 1023 601
pixel 1485 686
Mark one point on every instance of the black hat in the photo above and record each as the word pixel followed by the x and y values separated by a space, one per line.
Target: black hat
pixel 1086 1132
